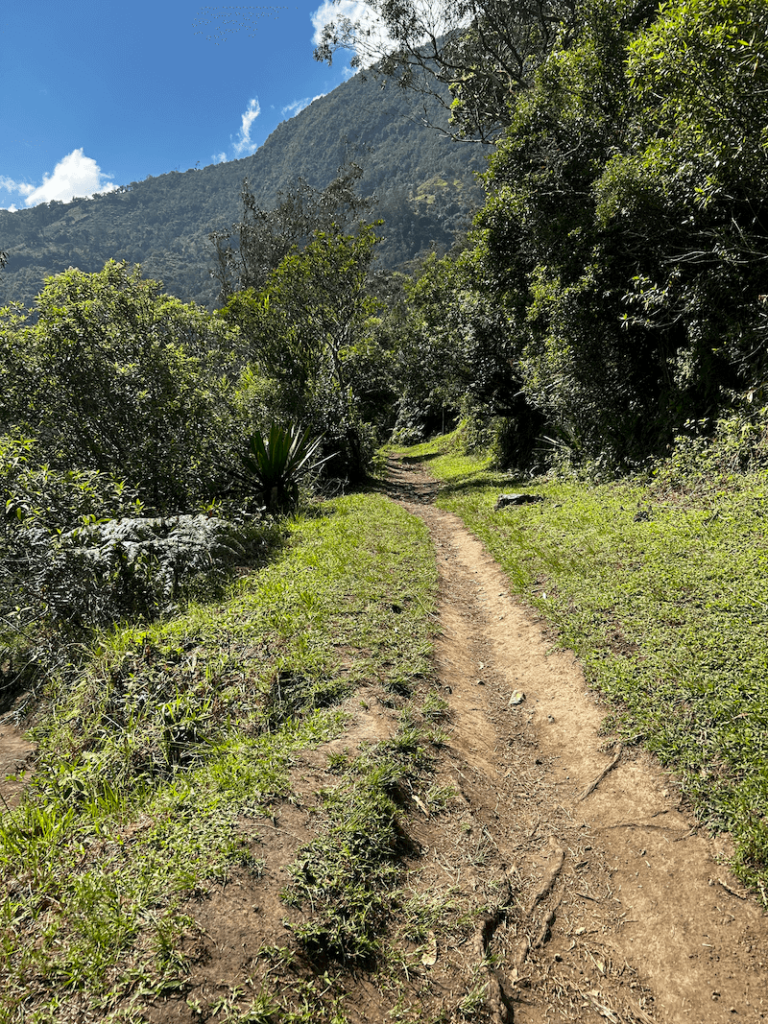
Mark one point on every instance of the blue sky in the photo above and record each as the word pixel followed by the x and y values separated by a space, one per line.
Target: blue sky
pixel 97 94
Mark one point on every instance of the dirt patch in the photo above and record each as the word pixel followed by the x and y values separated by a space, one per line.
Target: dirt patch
pixel 15 756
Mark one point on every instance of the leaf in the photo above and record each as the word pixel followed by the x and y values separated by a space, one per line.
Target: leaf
pixel 429 956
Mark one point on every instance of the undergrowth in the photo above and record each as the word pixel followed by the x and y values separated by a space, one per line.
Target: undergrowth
pixel 659 585
pixel 153 755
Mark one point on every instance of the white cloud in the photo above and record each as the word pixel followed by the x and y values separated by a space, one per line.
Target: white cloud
pixel 356 11
pixel 219 158
pixel 292 109
pixel 74 175
pixel 244 143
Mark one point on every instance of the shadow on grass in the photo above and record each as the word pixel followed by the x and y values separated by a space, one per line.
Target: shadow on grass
pixel 477 481
pixel 416 459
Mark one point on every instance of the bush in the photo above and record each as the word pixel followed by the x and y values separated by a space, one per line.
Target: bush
pixel 710 454
pixel 277 462
pixel 125 380
pixel 77 552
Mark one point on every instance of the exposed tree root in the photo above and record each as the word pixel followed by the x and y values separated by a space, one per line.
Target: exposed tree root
pixel 596 782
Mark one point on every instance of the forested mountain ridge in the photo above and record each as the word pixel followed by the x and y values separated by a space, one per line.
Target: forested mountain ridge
pixel 425 185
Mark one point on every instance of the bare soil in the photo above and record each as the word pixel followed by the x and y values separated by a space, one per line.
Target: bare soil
pixel 570 882
pixel 15 755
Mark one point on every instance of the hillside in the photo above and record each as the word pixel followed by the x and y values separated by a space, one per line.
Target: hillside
pixel 424 182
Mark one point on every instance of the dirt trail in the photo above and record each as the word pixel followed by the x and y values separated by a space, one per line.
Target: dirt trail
pixel 627 914
pixel 15 754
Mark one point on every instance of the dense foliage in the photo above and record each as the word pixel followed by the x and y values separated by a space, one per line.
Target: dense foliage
pixel 615 283
pixel 116 376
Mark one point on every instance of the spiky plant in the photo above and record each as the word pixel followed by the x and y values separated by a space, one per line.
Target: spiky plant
pixel 276 463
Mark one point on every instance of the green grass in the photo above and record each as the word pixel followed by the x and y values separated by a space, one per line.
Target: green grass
pixel 668 614
pixel 153 755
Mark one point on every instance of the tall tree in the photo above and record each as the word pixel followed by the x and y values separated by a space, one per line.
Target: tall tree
pixel 264 237
pixel 483 50
pixel 129 381
pixel 304 332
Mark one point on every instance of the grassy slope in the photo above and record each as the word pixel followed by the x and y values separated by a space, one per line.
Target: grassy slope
pixel 154 756
pixel 668 613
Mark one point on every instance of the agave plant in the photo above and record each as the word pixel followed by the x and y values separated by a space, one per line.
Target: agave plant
pixel 277 462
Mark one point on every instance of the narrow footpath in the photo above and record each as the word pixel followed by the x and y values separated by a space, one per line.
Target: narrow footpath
pixel 623 910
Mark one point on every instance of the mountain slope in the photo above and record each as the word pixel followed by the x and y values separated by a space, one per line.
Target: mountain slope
pixel 425 184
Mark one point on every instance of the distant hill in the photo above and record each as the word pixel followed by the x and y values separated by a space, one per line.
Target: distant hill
pixel 424 183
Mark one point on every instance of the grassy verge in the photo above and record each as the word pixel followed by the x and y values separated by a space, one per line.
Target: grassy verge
pixel 661 589
pixel 153 756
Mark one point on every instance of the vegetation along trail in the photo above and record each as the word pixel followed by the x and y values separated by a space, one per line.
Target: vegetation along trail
pixel 610 904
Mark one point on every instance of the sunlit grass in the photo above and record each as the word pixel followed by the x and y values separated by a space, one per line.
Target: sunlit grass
pixel 153 754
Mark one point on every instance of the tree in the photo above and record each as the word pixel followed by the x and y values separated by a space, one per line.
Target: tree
pixel 485 51
pixel 265 237
pixel 625 233
pixel 695 180
pixel 129 381
pixel 304 331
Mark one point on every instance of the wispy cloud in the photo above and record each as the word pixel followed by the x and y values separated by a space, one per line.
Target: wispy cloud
pixel 292 109
pixel 219 158
pixel 224 21
pixel 244 144
pixel 75 175
pixel 20 187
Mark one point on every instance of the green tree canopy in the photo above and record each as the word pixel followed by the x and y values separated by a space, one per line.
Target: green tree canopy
pixel 123 379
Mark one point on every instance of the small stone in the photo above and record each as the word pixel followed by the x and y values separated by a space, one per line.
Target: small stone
pixel 517 698
pixel 480 682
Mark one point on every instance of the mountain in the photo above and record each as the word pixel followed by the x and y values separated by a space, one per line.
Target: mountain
pixel 424 182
